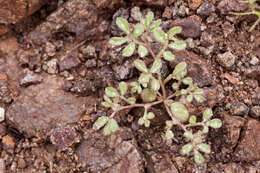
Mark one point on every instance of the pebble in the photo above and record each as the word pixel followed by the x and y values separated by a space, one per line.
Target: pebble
pixel 91 63
pixel 167 13
pixel 254 60
pixel 226 59
pixel 30 78
pixel 52 66
pixel 255 112
pixel 2 114
pixel 69 63
pixel 239 109
pixel 194 4
pixel 136 14
pixel 206 9
pixel 89 52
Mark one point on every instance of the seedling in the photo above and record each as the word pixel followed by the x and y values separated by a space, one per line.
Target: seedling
pixel 151 86
pixel 252 12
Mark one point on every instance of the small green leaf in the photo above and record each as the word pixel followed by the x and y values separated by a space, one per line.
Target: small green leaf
pixel 204 148
pixel 175 86
pixel 168 56
pixel 129 50
pixel 116 100
pixel 207 114
pixel 106 104
pixel 186 149
pixel 123 25
pixel 131 100
pixel 198 157
pixel 142 51
pixel 107 99
pixel 198 91
pixel 173 31
pixel 178 45
pixel 144 78
pixel 169 124
pixel 149 18
pixel 123 88
pixel 141 121
pixel 148 38
pixel 113 125
pixel 188 135
pixel 199 98
pixel 146 123
pixel 179 111
pixel 111 92
pixel 101 121
pixel 148 95
pixel 150 115
pixel 180 69
pixel 107 129
pixel 189 98
pixel 215 123
pixel 205 129
pixel 117 41
pixel 136 87
pixel 187 80
pixel 140 65
pixel 193 119
pixel 155 25
pixel 184 91
pixel 139 29
pixel 155 84
pixel 159 35
pixel 169 134
pixel 157 65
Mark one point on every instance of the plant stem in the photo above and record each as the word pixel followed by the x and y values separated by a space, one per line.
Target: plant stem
pixel 196 124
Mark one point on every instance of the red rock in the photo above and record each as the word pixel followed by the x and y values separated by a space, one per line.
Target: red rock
pixel 194 4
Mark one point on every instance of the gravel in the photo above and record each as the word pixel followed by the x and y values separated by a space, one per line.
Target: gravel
pixel 2 114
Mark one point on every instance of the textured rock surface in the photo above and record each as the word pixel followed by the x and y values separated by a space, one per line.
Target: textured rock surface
pixel 40 108
pixel 114 154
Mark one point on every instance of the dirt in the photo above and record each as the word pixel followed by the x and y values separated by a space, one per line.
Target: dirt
pixel 55 62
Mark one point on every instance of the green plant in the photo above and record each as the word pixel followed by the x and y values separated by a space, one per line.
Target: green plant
pixel 253 12
pixel 151 87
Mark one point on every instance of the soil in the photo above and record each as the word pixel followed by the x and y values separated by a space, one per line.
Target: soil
pixel 56 62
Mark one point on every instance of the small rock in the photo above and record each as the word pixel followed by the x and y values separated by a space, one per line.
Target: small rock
pixel 254 60
pixel 227 59
pixel 21 163
pixel 50 49
pixel 83 88
pixel 206 9
pixel 2 114
pixel 249 147
pixel 255 111
pixel 181 11
pixel 69 63
pixel 239 109
pixel 206 39
pixel 89 52
pixel 8 141
pixel 226 6
pixel 64 137
pixel 167 13
pixel 52 66
pixel 119 13
pixel 194 4
pixel 152 3
pixel 233 168
pixel 30 78
pixel 123 72
pixel 253 72
pixel 91 63
pixel 136 14
pixel 190 26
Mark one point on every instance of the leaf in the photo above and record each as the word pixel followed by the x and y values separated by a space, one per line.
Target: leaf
pixel 155 84
pixel 198 91
pixel 111 92
pixel 215 123
pixel 141 121
pixel 131 100
pixel 142 51
pixel 101 121
pixel 123 88
pixel 146 123
pixel 187 80
pixel 189 98
pixel 205 129
pixel 149 18
pixel 157 65
pixel 144 78
pixel 184 91
pixel 155 25
pixel 169 134
pixel 188 135
pixel 106 104
pixel 169 124
pixel 173 31
pixel 148 95
pixel 107 99
pixel 207 114
pixel 123 25
pixel 140 65
pixel 116 100
pixel 178 45
pixel 198 157
pixel 159 35
pixel 150 115
pixel 136 87
pixel 139 29
pixel 179 111
pixel 168 56
pixel 175 86
pixel 113 125
pixel 204 148
pixel 186 149
pixel 180 70
pixel 129 50
pixel 107 130
pixel 199 98
pixel 193 119
pixel 117 41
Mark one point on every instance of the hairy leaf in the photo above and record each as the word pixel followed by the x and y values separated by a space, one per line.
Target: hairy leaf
pixel 186 149
pixel 111 92
pixel 123 88
pixel 204 148
pixel 148 95
pixel 129 50
pixel 117 41
pixel 215 123
pixel 157 65
pixel 178 45
pixel 169 134
pixel 193 119
pixel 155 84
pixel 155 25
pixel 168 56
pixel 139 29
pixel 123 25
pixel 207 114
pixel 101 121
pixel 159 35
pixel 150 115
pixel 198 157
pixel 140 65
pixel 173 31
pixel 142 51
pixel 131 100
pixel 179 111
pixel 106 104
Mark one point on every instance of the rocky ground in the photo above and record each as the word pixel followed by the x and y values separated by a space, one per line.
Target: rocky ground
pixel 55 62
